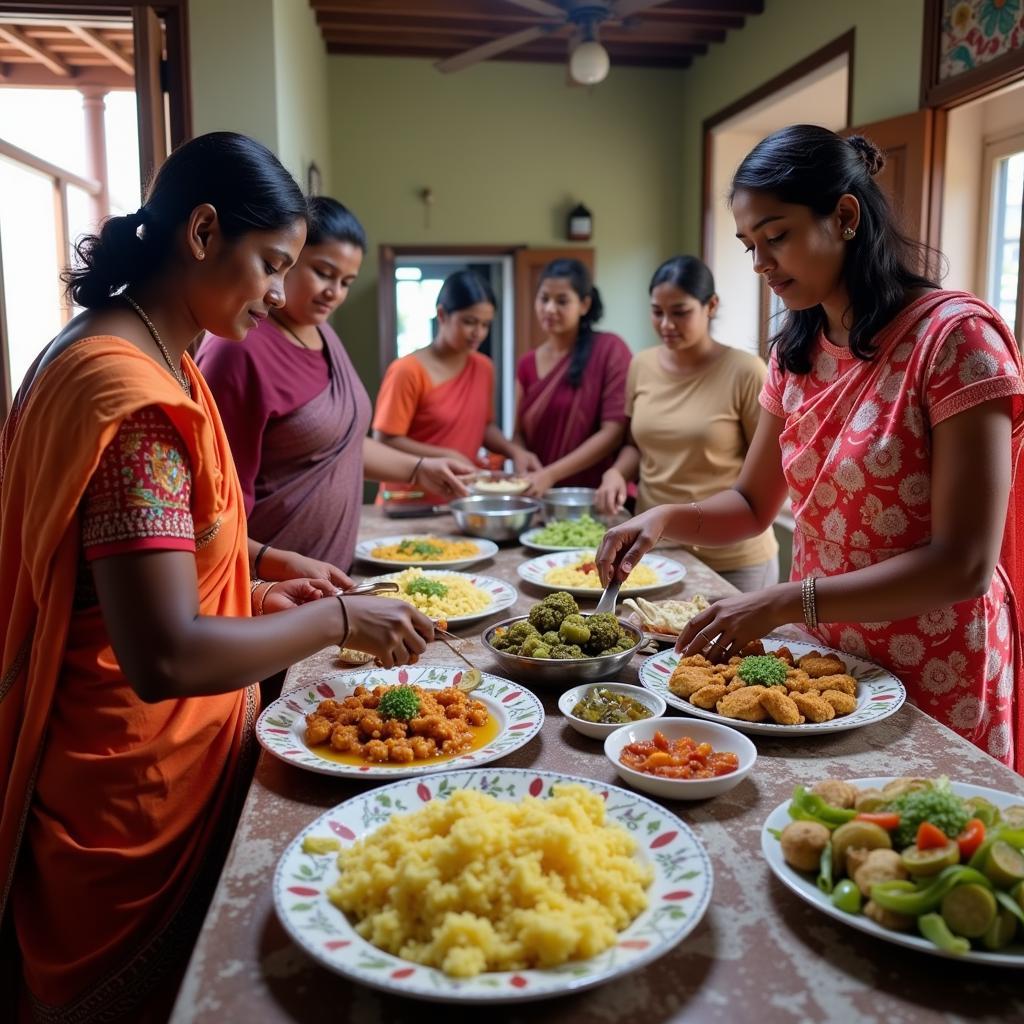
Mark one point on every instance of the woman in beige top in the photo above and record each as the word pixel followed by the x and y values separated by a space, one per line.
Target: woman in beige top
pixel 693 407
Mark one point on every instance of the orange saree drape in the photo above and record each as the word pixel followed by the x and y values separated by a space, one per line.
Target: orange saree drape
pixel 108 806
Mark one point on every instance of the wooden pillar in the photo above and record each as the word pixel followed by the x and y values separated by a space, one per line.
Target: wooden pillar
pixel 94 106
pixel 149 95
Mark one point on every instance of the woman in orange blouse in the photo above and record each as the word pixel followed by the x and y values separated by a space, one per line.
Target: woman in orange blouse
pixel 128 647
pixel 439 401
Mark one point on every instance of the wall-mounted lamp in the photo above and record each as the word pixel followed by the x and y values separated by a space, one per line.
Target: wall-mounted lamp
pixel 580 225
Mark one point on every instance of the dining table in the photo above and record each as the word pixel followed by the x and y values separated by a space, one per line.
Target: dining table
pixel 760 953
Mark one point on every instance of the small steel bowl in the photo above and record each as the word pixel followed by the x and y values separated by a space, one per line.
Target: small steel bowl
pixel 569 502
pixel 495 517
pixel 563 672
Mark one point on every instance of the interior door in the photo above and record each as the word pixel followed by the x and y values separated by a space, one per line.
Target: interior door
pixel 529 264
pixel 911 144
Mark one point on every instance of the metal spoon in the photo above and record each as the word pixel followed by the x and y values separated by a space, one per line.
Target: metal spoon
pixel 609 597
pixel 470 680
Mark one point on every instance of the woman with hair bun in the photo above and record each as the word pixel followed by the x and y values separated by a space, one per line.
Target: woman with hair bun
pixel 693 410
pixel 297 414
pixel 129 639
pixel 439 402
pixel 570 390
pixel 882 391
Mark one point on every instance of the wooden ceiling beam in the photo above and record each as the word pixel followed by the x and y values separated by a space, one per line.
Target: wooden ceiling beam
pixel 35 76
pixel 16 37
pixel 494 10
pixel 105 49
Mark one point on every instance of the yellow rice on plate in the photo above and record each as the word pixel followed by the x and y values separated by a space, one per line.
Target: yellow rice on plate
pixel 471 884
pixel 426 549
pixel 462 598
pixel 573 576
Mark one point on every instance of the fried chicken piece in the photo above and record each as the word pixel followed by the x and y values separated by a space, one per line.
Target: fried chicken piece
pixel 729 673
pixel 345 739
pixel 708 696
pixel 843 703
pixel 744 704
pixel 817 665
pixel 813 707
pixel 780 707
pixel 688 679
pixel 754 647
pixel 400 752
pixel 695 661
pixel 450 696
pixel 783 654
pixel 423 747
pixel 329 709
pixel 394 729
pixel 477 716
pixel 797 679
pixel 318 729
pixel 376 750
pixel 734 684
pixel 371 725
pixel 841 682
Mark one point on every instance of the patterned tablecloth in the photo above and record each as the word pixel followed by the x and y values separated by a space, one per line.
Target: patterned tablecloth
pixel 760 954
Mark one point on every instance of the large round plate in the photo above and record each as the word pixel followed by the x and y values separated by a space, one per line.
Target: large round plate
pixel 281 728
pixel 669 573
pixel 527 540
pixel 678 896
pixel 806 888
pixel 503 595
pixel 879 693
pixel 364 549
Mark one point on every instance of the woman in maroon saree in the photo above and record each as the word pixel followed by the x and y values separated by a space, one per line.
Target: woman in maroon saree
pixel 296 413
pixel 571 389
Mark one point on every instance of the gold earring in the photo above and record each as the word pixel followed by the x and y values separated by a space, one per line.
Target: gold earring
pixel 848 234
pixel 201 255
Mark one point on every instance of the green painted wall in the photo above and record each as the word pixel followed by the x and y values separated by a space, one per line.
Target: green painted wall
pixel 260 67
pixel 506 149
pixel 886 71
pixel 300 61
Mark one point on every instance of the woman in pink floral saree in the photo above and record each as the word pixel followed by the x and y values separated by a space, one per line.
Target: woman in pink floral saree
pixel 893 421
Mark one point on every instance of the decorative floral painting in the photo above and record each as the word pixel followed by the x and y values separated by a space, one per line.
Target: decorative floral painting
pixel 975 32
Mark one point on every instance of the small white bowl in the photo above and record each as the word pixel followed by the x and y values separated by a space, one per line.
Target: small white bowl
pixel 598 730
pixel 721 737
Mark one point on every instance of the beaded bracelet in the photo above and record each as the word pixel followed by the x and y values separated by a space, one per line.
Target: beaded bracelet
pixel 809 601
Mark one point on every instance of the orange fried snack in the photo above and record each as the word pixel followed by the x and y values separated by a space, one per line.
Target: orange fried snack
pixel 842 703
pixel 744 704
pixel 813 707
pixel 688 679
pixel 816 664
pixel 708 696
pixel 781 707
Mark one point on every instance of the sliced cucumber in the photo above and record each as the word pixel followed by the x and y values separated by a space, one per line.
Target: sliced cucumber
pixel 969 910
pixel 1004 865
pixel 921 863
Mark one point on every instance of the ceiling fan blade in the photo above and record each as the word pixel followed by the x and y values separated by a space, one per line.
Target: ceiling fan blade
pixel 624 8
pixel 493 48
pixel 549 10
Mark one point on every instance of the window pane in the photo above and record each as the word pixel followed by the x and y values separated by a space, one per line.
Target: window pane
pixel 28 228
pixel 1005 247
pixel 416 307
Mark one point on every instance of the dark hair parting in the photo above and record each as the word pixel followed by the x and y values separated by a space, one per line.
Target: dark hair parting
pixel 463 289
pixel 579 280
pixel 246 184
pixel 687 273
pixel 812 166
pixel 329 221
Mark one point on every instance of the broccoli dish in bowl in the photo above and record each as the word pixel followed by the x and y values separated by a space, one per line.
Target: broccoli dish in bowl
pixel 556 643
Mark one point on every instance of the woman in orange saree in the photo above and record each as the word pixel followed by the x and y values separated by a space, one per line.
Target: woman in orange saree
pixel 440 401
pixel 127 643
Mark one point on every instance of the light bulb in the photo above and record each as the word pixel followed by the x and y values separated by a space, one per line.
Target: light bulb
pixel 589 63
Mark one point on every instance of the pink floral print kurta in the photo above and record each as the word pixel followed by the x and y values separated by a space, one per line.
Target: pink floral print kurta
pixel 856 454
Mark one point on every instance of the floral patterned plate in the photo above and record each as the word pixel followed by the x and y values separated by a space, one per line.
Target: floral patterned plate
pixel 534 571
pixel 365 552
pixel 282 726
pixel 503 595
pixel 678 896
pixel 879 693
pixel 805 887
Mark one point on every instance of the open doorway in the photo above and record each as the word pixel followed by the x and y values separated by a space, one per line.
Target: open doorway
pixel 815 91
pixel 90 104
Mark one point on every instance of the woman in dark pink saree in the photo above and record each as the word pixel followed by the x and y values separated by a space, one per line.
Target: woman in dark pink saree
pixel 296 413
pixel 571 389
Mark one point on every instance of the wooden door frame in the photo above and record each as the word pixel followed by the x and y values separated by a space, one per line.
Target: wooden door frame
pixel 844 44
pixel 387 257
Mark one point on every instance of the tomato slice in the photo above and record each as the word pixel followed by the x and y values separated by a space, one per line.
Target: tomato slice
pixel 888 820
pixel 971 838
pixel 929 837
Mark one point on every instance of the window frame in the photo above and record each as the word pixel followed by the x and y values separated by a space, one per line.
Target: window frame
pixel 994 149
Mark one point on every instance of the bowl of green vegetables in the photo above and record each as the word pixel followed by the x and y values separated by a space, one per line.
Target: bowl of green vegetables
pixel 565 534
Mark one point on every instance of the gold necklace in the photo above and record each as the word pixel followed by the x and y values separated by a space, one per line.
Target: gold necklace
pixel 281 323
pixel 176 372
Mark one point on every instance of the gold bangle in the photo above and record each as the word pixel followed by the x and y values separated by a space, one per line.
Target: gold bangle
pixel 263 596
pixel 700 516
pixel 257 596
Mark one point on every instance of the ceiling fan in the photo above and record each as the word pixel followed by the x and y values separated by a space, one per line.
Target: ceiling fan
pixel 588 59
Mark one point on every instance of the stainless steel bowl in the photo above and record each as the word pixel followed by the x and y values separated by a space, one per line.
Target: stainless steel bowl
pixel 568 502
pixel 496 517
pixel 561 672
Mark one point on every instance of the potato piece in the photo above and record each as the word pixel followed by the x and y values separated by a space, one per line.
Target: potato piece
pixel 802 843
pixel 878 866
pixel 837 793
pixel 855 857
pixel 889 918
